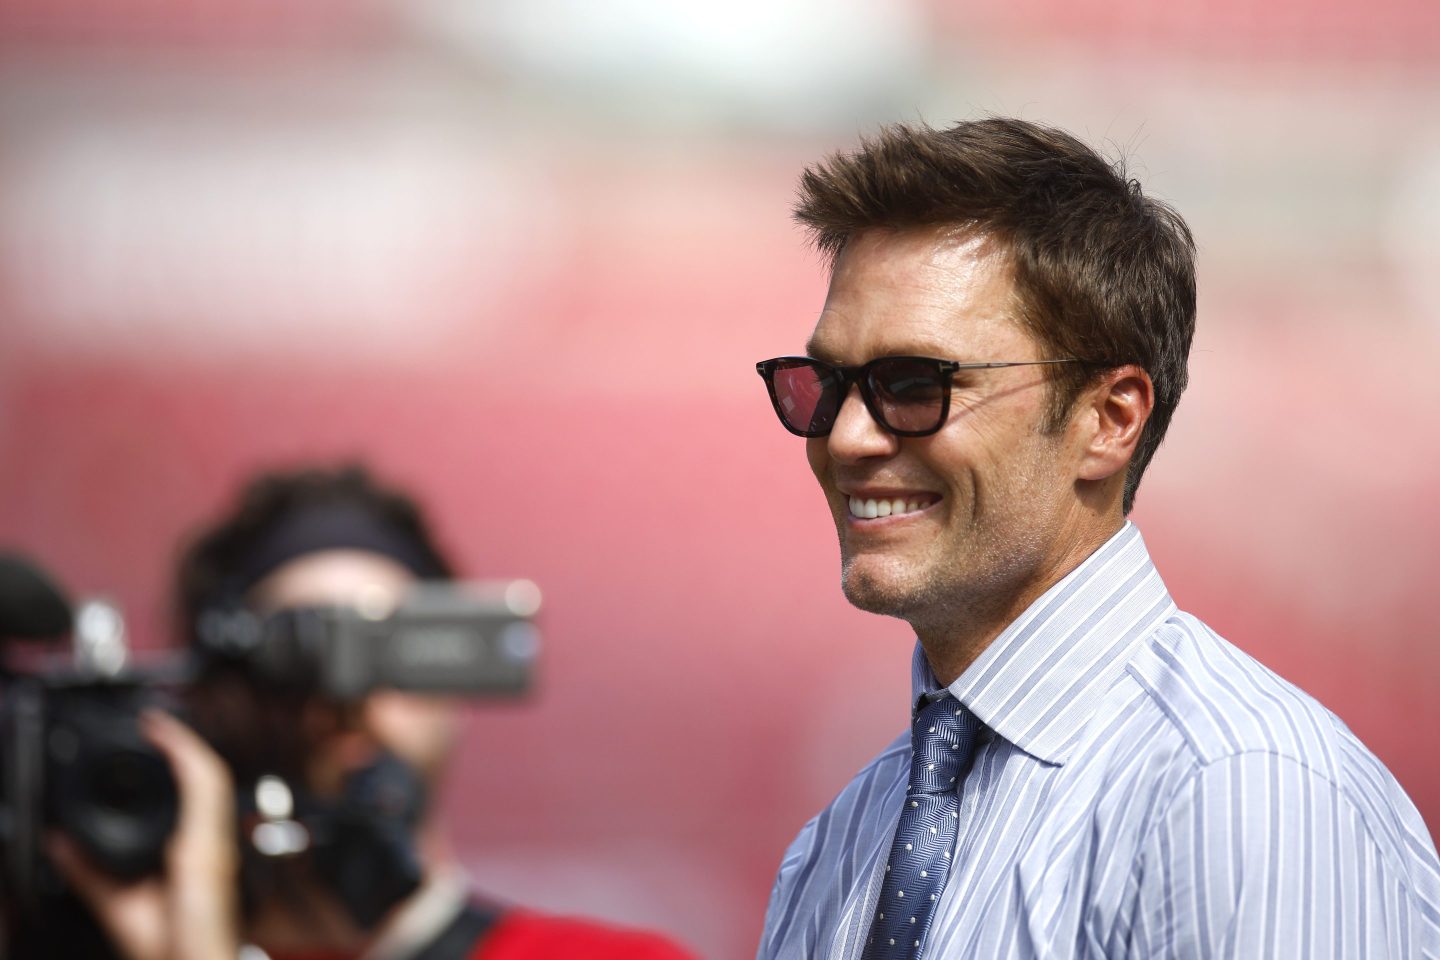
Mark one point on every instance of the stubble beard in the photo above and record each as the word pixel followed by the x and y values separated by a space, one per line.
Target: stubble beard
pixel 961 590
pixel 890 592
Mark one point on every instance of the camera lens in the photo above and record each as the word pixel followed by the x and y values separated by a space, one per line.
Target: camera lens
pixel 126 783
pixel 111 791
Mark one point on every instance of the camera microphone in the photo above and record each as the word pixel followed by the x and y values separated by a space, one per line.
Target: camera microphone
pixel 32 606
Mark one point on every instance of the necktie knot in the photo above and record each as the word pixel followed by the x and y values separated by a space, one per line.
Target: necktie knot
pixel 941 741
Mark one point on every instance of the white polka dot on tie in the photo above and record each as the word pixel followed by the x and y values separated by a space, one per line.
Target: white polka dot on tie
pixel 882 916
pixel 909 846
pixel 947 854
pixel 892 941
pixel 931 767
pixel 917 943
pixel 912 919
pixel 952 779
pixel 932 729
pixel 914 803
pixel 900 894
pixel 954 746
pixel 958 712
pixel 932 896
pixel 933 830
pixel 887 868
pixel 955 814
pixel 924 874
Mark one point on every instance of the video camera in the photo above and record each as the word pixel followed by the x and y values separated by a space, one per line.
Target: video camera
pixel 472 639
pixel 73 759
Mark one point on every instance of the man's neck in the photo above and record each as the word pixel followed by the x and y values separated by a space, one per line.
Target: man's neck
pixel 954 636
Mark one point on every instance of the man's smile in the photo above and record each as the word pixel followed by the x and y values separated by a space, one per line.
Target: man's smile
pixel 879 506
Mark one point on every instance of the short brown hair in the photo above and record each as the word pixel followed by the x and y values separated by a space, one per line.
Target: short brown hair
pixel 208 568
pixel 1102 272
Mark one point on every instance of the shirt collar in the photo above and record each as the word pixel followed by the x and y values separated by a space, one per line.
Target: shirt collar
pixel 1039 681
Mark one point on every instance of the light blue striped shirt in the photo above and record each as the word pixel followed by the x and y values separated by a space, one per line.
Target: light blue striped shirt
pixel 1149 791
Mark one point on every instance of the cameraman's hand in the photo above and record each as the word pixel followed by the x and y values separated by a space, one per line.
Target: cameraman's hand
pixel 192 911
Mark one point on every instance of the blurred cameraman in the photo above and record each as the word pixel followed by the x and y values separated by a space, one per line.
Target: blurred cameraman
pixel 308 539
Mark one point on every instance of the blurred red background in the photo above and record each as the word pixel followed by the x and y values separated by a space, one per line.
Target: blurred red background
pixel 523 262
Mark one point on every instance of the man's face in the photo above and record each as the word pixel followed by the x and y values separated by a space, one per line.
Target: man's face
pixel 980 512
pixel 420 730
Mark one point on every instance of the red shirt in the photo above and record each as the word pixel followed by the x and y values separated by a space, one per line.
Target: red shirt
pixel 519 935
pixel 528 936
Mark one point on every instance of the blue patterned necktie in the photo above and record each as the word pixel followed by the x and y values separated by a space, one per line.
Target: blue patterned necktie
pixel 942 740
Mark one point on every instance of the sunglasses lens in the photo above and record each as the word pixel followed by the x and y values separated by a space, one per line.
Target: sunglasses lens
pixel 807 396
pixel 910 393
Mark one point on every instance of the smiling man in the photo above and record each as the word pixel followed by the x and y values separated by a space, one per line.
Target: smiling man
pixel 1090 772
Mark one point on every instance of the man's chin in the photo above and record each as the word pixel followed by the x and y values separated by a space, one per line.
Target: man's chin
pixel 876 588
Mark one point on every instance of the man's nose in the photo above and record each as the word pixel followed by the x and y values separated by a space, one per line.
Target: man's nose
pixel 856 434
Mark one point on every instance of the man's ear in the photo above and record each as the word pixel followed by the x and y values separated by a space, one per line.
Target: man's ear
pixel 1116 410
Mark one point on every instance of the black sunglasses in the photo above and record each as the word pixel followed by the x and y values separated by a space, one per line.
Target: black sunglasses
pixel 908 396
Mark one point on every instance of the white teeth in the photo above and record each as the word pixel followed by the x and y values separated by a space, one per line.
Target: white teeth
pixel 871 509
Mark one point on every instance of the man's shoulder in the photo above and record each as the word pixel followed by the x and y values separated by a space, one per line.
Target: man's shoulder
pixel 867 791
pixel 887 766
pixel 1222 703
pixel 522 935
pixel 886 770
pixel 834 847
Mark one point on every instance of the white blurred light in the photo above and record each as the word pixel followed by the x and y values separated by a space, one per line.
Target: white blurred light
pixel 1413 229
pixel 805 64
pixel 280 839
pixel 355 236
pixel 273 798
pixel 100 645
pixel 522 597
